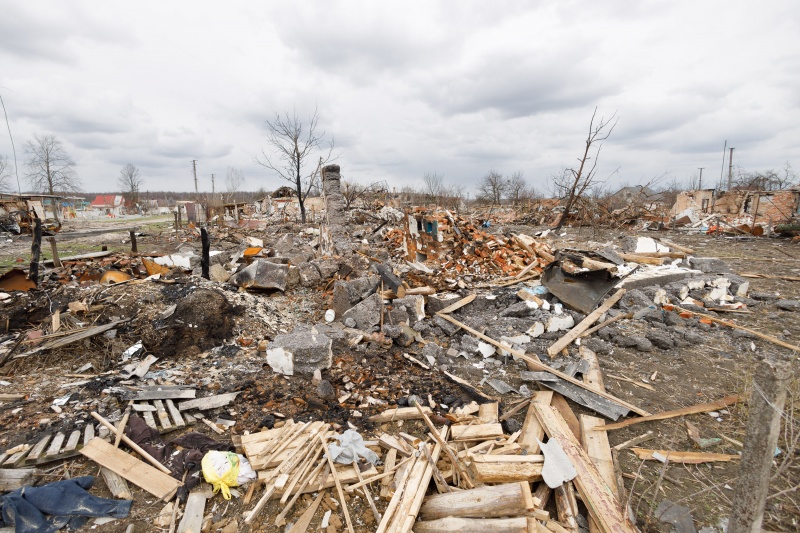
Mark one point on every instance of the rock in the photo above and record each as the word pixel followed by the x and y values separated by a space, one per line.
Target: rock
pixel 415 306
pixel 660 339
pixel 218 273
pixel 346 294
pixel 350 322
pixel 300 352
pixel 521 309
pixel 709 265
pixel 399 315
pixel 511 426
pixel 437 302
pixel 309 275
pixel 634 300
pixel 673 319
pixel 561 322
pixel 367 313
pixel 325 390
pixel 693 338
pixel 634 341
pixel 449 328
pixel 598 345
pixel 262 275
pixel 431 350
pixel 327 266
pixel 788 305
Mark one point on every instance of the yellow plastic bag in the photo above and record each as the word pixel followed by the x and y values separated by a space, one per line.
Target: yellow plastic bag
pixel 221 469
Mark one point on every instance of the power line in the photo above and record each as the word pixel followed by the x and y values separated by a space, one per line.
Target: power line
pixel 13 148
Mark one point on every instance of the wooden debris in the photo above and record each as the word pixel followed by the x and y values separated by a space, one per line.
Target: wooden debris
pixel 209 402
pixel 701 408
pixel 509 499
pixel 401 413
pixel 116 484
pixel 452 524
pixel 192 521
pixel 584 324
pixel 13 479
pixel 137 472
pixel 691 458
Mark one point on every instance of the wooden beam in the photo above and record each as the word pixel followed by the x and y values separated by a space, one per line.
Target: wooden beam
pixel 508 499
pixel 401 413
pixel 135 447
pixel 532 430
pixel 603 506
pixel 452 524
pixel 459 304
pixel 137 472
pixel 584 324
pixel 701 408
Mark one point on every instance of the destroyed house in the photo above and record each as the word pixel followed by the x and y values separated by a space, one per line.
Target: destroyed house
pixel 767 207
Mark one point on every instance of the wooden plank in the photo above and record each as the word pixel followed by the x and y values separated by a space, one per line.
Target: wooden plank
pixel 532 430
pixel 137 472
pixel 499 472
pixel 389 466
pixel 192 521
pixel 477 432
pixel 39 448
pixel 603 506
pixel 508 499
pixel 305 519
pixel 595 442
pixel 88 433
pixel 452 524
pixel 401 413
pixel 408 511
pixel 694 409
pixel 150 420
pixel 209 402
pixel 535 364
pixel 16 478
pixel 75 337
pixel 73 440
pixel 561 405
pixel 55 445
pixel 116 484
pixel 691 458
pixel 163 417
pixel 488 413
pixel 143 407
pixel 584 324
pixel 176 414
pixel 459 304
pixel 166 394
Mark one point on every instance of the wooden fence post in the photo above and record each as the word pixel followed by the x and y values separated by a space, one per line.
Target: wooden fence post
pixel 36 248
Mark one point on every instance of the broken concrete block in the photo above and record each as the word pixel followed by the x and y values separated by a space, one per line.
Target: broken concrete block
pixel 367 313
pixel 346 294
pixel 788 305
pixel 309 275
pixel 415 305
pixel 218 273
pixel 520 309
pixel 284 244
pixel 327 266
pixel 633 300
pixel 437 302
pixel 448 327
pixel 301 352
pixel 709 264
pixel 262 275
pixel 661 339
pixel 560 323
pixel 536 330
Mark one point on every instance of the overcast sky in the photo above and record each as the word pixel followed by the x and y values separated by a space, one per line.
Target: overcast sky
pixel 406 87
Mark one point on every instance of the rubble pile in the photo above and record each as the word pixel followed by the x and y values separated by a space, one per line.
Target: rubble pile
pixel 424 372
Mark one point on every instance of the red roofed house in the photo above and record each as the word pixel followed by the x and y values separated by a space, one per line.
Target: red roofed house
pixel 108 204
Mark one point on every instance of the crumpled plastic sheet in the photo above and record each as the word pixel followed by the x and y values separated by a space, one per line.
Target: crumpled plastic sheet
pixel 350 447
pixel 66 502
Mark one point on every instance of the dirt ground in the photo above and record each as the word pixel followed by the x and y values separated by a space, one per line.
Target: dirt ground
pixel 720 363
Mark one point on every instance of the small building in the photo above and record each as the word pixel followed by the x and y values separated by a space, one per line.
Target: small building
pixel 762 207
pixel 108 204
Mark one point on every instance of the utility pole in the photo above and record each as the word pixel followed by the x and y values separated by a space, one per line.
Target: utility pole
pixel 212 185
pixel 700 181
pixel 730 168
pixel 194 170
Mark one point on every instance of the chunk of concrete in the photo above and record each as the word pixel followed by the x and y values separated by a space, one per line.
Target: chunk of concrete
pixel 561 322
pixel 218 273
pixel 536 330
pixel 346 294
pixel 709 264
pixel 788 305
pixel 301 352
pixel 437 302
pixel 262 275
pixel 309 275
pixel 367 313
pixel 415 305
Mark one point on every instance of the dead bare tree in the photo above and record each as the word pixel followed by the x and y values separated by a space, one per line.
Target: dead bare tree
pixel 50 168
pixel 354 192
pixel 5 174
pixel 130 183
pixel 234 180
pixel 292 145
pixel 518 188
pixel 492 187
pixel 573 183
pixel 433 183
